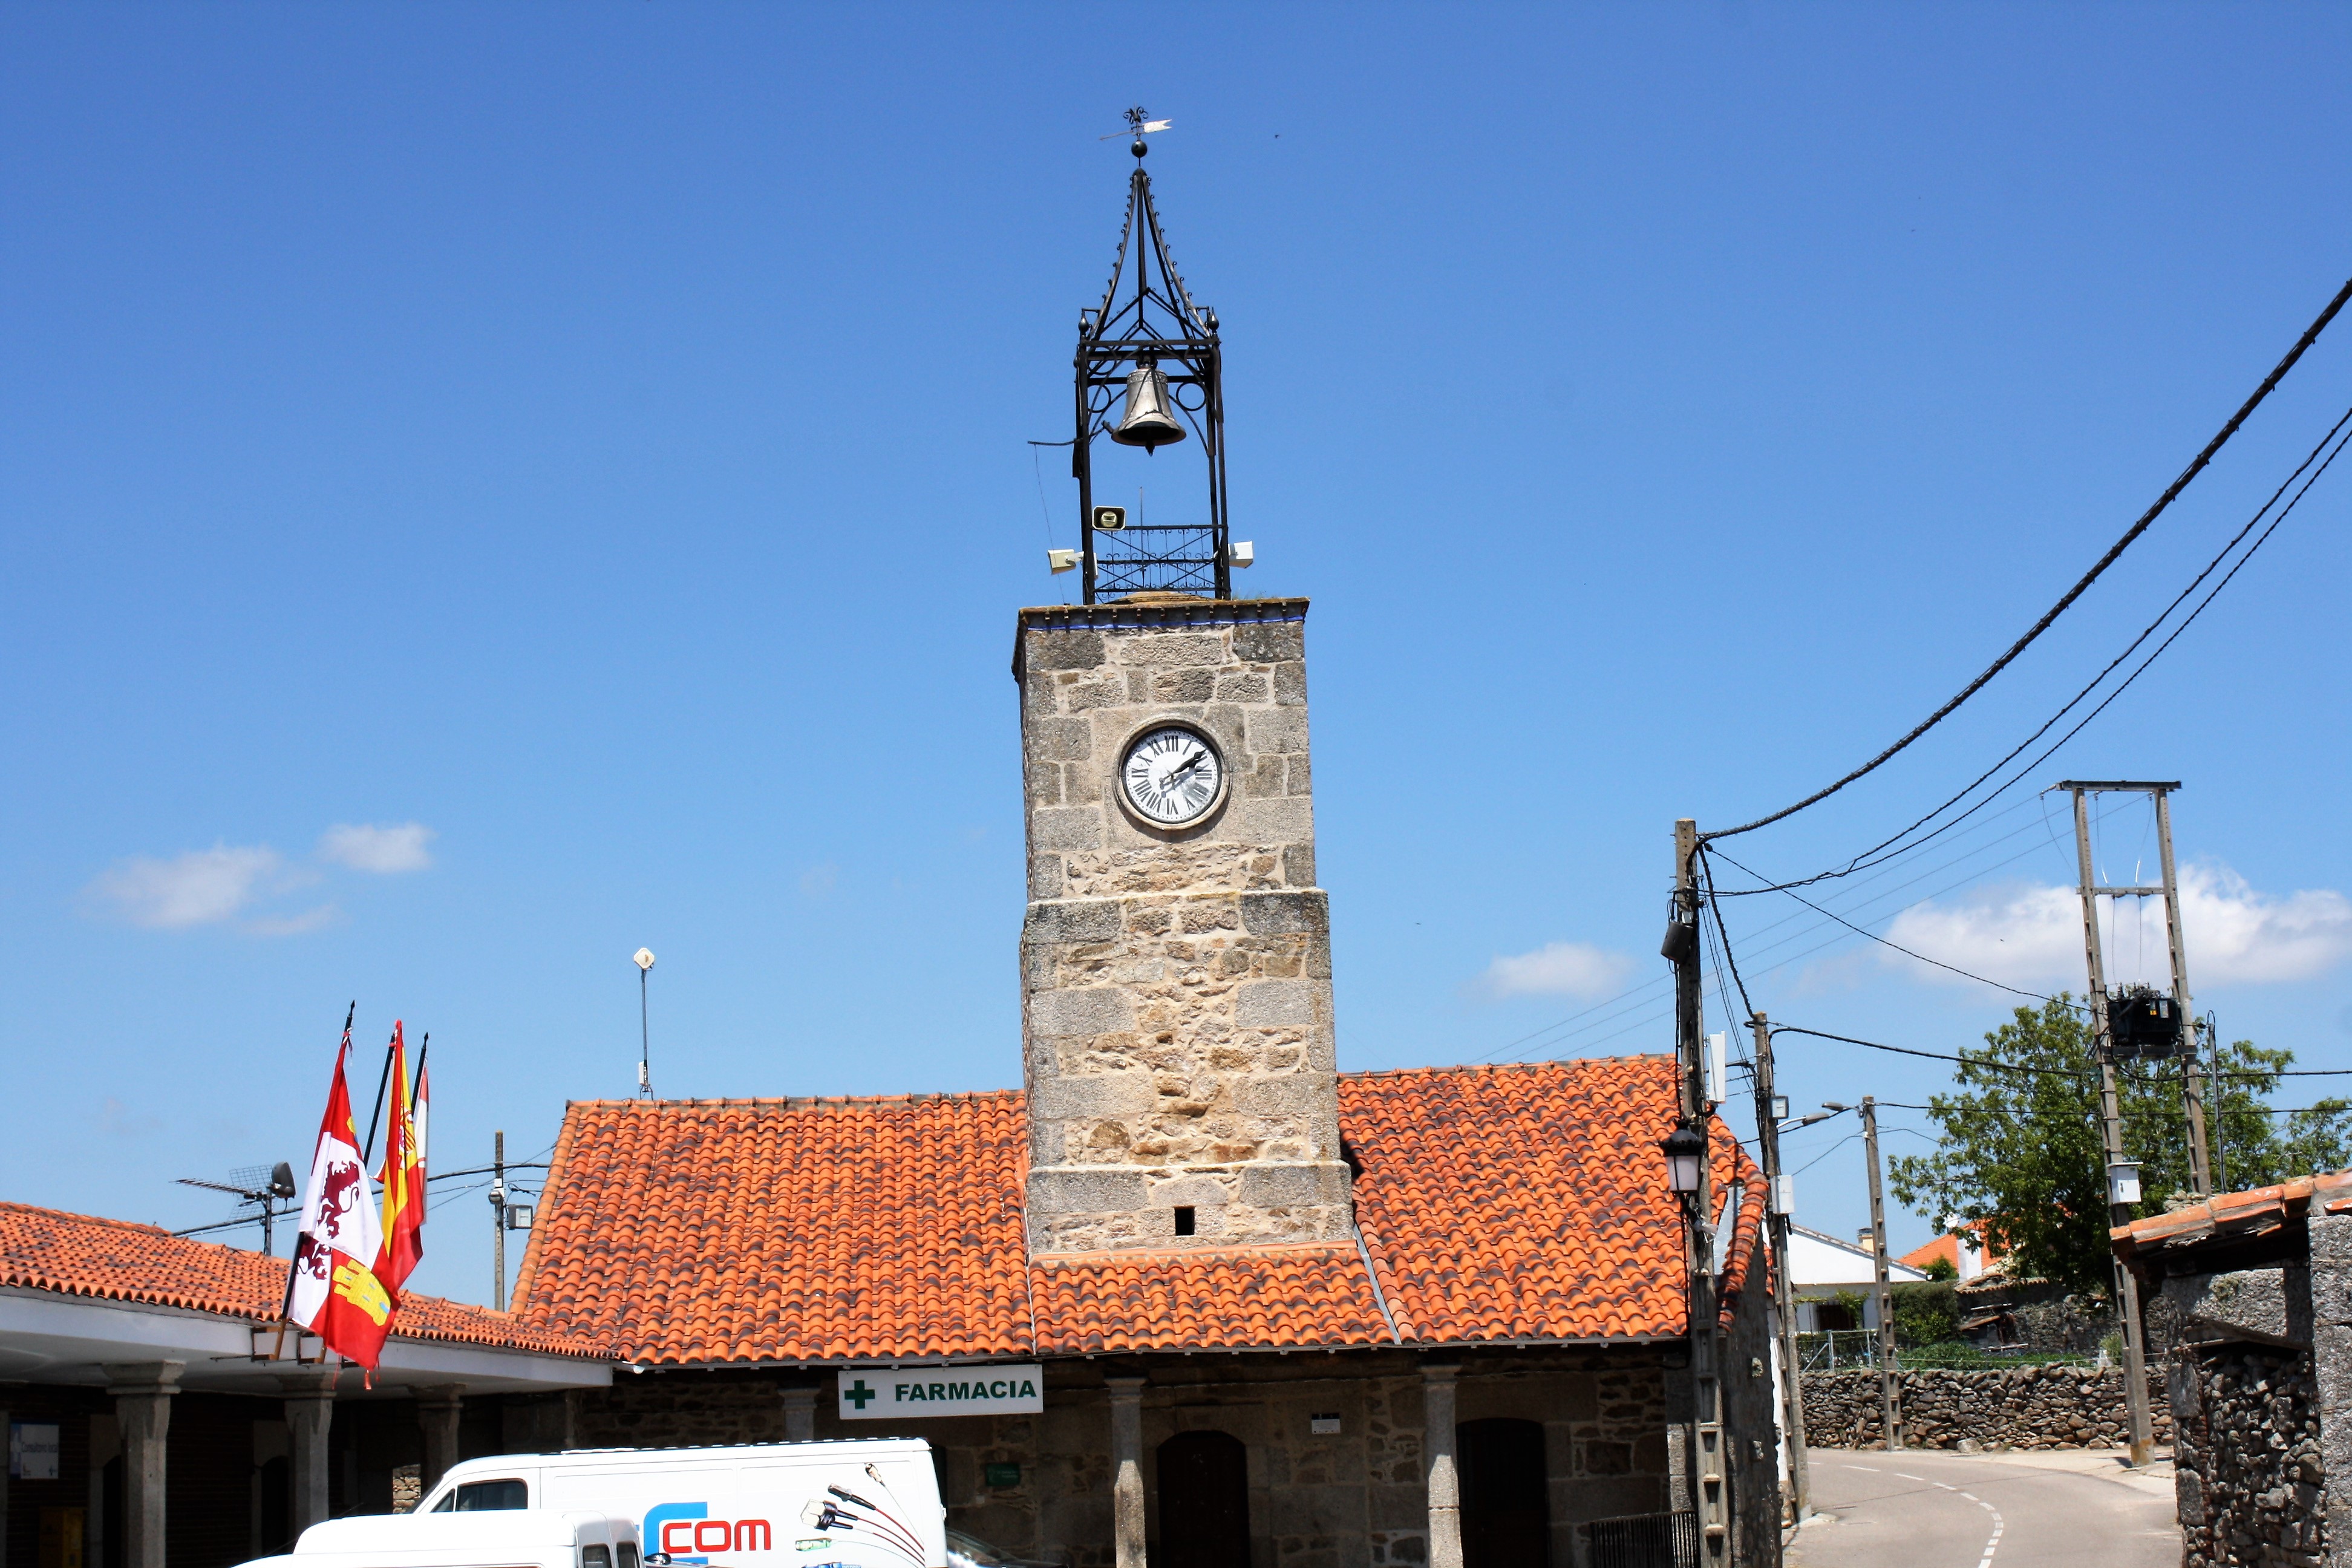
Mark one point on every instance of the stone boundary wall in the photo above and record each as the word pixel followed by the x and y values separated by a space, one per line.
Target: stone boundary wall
pixel 2248 1478
pixel 2024 1407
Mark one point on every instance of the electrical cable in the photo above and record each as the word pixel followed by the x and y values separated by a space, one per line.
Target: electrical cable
pixel 2093 1116
pixel 1865 860
pixel 1940 892
pixel 1864 904
pixel 1706 882
pixel 1636 996
pixel 1906 951
pixel 1934 1056
pixel 1825 1153
pixel 2196 466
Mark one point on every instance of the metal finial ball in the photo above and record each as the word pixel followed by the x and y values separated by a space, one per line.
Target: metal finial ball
pixel 1138 149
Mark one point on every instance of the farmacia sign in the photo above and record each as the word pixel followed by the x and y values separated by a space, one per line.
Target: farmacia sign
pixel 921 1391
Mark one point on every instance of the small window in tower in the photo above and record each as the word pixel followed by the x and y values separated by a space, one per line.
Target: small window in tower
pixel 1184 1219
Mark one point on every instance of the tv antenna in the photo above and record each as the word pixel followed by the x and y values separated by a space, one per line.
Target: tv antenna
pixel 1138 125
pixel 644 959
pixel 265 1186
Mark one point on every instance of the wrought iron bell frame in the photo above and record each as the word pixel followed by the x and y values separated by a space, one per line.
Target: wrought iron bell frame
pixel 1158 323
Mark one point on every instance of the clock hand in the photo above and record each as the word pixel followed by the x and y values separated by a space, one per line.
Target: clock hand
pixel 1197 759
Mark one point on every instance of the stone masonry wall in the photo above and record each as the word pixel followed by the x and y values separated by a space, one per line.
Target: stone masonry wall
pixel 1040 1485
pixel 2248 1475
pixel 1176 985
pixel 2331 1319
pixel 2026 1407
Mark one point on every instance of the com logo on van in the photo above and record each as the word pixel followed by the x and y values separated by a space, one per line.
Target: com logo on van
pixel 681 1530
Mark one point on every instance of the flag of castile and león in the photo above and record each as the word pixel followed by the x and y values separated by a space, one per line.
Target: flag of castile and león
pixel 333 1290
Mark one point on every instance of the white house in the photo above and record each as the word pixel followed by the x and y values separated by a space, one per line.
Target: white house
pixel 1821 1267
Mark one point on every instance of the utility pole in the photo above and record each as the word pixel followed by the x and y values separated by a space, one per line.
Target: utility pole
pixel 2110 1127
pixel 2192 1078
pixel 1890 1412
pixel 1708 1456
pixel 499 1222
pixel 1777 1205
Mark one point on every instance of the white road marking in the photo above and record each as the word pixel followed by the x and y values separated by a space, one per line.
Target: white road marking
pixel 1992 1542
pixel 1863 1468
pixel 1900 1474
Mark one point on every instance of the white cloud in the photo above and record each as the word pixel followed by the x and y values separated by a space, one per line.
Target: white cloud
pixel 1556 969
pixel 368 846
pixel 302 924
pixel 200 886
pixel 2028 935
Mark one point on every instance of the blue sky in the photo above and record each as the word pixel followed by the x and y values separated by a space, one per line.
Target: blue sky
pixel 484 489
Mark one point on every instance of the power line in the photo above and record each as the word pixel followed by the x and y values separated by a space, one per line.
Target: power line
pixel 1864 859
pixel 2196 467
pixel 1963 881
pixel 1897 946
pixel 1633 995
pixel 1934 1056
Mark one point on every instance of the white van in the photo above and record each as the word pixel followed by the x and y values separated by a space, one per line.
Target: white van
pixel 873 1503
pixel 533 1538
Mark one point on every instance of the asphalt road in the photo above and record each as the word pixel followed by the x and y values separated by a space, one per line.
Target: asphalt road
pixel 1927 1508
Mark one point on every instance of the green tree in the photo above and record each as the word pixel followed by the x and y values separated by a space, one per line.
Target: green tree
pixel 2021 1149
pixel 1927 1313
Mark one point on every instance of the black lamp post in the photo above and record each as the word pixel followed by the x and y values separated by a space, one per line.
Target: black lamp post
pixel 1685 1152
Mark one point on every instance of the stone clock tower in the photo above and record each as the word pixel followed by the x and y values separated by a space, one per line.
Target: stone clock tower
pixel 1176 960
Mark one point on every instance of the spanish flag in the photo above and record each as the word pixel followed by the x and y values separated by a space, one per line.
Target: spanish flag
pixel 403 1176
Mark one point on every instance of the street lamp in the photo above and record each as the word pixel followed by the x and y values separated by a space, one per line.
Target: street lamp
pixel 1685 1152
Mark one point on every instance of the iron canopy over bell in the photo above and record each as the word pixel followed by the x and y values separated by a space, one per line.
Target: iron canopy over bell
pixel 1149 374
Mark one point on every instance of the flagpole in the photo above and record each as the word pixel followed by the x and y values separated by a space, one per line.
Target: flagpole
pixel 417 1082
pixel 286 1301
pixel 367 1150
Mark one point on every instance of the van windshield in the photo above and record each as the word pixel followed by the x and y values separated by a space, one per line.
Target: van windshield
pixel 485 1497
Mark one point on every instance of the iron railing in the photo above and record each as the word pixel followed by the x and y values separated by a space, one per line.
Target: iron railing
pixel 1643 1541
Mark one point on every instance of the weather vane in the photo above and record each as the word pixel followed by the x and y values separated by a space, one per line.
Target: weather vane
pixel 1138 125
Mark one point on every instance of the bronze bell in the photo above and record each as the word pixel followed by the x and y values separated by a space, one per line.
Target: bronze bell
pixel 1149 423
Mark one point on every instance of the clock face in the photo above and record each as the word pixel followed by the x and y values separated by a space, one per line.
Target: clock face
pixel 1172 775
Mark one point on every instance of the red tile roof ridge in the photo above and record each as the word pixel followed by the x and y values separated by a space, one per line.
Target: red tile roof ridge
pixel 1241 1249
pixel 90 1218
pixel 1499 1067
pixel 2235 1211
pixel 54 1250
pixel 802 1101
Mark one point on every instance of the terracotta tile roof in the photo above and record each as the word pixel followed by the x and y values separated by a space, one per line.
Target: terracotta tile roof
pixel 1947 1247
pixel 785 1229
pixel 1522 1202
pixel 1257 1298
pixel 1497 1204
pixel 2236 1216
pixel 112 1259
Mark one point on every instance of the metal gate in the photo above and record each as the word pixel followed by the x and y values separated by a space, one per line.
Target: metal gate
pixel 1644 1541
